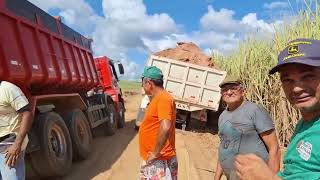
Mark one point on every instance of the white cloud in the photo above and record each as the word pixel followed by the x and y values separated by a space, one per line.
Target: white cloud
pixel 276 5
pixel 69 16
pixel 223 42
pixel 252 22
pixel 222 20
pixel 205 39
pixel 221 37
pixel 125 26
pixel 131 69
pixel 222 32
pixel 155 45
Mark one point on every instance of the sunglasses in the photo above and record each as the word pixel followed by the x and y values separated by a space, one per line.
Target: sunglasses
pixel 224 90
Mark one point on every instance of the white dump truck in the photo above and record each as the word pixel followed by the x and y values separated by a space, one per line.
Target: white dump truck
pixel 195 88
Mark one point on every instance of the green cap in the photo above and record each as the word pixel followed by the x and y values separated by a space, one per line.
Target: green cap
pixel 230 80
pixel 152 72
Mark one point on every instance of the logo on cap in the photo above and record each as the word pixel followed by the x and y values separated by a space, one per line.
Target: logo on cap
pixel 294 49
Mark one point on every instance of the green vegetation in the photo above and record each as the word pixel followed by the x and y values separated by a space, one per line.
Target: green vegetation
pixel 255 57
pixel 129 85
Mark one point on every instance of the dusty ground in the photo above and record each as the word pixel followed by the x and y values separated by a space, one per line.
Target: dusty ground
pixel 117 158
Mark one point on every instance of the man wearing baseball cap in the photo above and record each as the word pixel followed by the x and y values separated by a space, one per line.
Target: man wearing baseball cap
pixel 299 69
pixel 157 131
pixel 244 127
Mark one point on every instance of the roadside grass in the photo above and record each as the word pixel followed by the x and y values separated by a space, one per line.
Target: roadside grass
pixel 130 85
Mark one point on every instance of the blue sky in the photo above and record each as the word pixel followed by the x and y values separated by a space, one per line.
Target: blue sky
pixel 130 30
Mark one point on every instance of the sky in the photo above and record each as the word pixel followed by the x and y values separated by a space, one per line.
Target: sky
pixel 131 30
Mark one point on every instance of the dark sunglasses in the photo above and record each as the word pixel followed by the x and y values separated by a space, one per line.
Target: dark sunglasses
pixel 224 90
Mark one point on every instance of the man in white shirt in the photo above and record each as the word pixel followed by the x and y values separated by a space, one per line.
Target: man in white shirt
pixel 15 122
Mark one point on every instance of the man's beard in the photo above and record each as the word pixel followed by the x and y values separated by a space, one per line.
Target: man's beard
pixel 311 109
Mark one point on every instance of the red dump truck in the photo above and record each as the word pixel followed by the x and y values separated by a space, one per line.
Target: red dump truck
pixel 109 84
pixel 70 93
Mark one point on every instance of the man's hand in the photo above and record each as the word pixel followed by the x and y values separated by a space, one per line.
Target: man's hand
pixel 13 154
pixel 252 167
pixel 152 156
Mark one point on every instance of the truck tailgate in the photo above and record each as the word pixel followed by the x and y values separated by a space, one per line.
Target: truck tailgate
pixel 190 84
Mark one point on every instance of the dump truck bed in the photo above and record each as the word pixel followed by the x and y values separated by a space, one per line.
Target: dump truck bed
pixel 40 53
pixel 194 87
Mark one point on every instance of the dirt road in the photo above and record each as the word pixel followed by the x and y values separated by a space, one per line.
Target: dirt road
pixel 117 157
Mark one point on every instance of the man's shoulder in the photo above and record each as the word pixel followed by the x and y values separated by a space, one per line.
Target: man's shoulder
pixel 223 115
pixel 250 104
pixel 253 106
pixel 8 85
pixel 166 95
pixel 5 89
pixel 10 88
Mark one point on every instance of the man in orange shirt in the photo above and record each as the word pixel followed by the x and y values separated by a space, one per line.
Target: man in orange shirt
pixel 157 131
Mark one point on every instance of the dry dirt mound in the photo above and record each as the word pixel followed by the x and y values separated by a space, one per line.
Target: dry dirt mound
pixel 187 52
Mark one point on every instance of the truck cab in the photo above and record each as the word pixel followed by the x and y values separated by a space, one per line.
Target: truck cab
pixel 109 79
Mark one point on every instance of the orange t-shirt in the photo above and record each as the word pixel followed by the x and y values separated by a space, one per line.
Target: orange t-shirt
pixel 161 107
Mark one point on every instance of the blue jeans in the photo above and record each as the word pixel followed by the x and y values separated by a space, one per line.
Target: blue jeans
pixel 17 172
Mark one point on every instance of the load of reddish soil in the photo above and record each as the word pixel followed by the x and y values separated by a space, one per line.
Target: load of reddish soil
pixel 187 52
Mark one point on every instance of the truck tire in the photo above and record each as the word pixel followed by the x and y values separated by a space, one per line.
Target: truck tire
pixel 111 125
pixel 121 115
pixel 80 132
pixel 55 155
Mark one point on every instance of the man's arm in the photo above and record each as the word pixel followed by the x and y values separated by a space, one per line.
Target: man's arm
pixel 13 152
pixel 164 131
pixel 163 135
pixel 25 126
pixel 265 127
pixel 250 166
pixel 218 172
pixel 270 140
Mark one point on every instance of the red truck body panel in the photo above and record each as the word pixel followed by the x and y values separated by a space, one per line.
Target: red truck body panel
pixel 108 81
pixel 41 54
pixel 105 73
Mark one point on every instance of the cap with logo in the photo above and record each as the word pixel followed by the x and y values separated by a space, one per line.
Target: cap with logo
pixel 299 51
pixel 230 80
pixel 152 72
